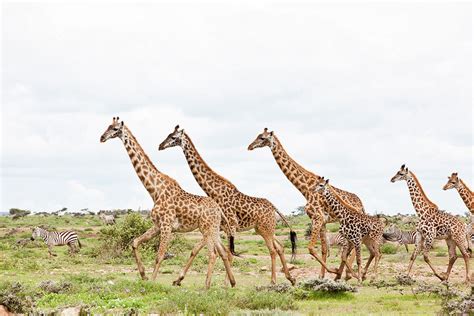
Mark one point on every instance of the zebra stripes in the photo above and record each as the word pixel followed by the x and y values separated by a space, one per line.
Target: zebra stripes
pixel 57 239
pixel 403 237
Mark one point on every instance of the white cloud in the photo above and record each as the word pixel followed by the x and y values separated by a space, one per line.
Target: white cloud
pixel 352 91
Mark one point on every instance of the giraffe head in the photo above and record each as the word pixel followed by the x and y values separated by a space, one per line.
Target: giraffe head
pixel 402 174
pixel 174 139
pixel 114 130
pixel 321 185
pixel 264 139
pixel 453 181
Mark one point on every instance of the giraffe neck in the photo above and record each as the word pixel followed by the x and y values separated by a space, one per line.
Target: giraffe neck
pixel 152 179
pixel 423 206
pixel 301 178
pixel 338 208
pixel 465 193
pixel 211 182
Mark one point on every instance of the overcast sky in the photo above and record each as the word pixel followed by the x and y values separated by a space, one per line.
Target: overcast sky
pixel 352 92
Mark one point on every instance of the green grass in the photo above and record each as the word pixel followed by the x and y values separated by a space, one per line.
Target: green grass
pixel 108 284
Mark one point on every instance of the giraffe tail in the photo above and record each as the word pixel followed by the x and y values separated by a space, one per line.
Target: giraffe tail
pixel 231 236
pixel 293 236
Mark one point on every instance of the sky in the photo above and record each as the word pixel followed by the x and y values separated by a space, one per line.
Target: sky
pixel 351 90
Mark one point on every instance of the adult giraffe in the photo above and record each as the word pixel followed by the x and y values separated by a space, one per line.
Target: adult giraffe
pixel 174 210
pixel 244 212
pixel 466 194
pixel 305 181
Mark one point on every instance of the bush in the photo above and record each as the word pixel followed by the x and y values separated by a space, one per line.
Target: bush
pixel 13 296
pixel 49 286
pixel 388 249
pixel 327 285
pixel 116 240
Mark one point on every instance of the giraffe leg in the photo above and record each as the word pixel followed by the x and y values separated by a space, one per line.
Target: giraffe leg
pixel 150 233
pixel 212 261
pixel 452 256
pixel 165 237
pixel 428 242
pixel 370 246
pixel 350 261
pixel 416 251
pixel 272 251
pixel 281 254
pixel 463 246
pixel 227 263
pixel 194 252
pixel 324 248
pixel 346 250
pixel 359 262
pixel 317 223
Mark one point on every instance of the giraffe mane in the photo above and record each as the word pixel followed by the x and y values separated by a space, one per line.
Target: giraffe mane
pixel 334 193
pixel 305 171
pixel 465 185
pixel 422 191
pixel 147 159
pixel 205 163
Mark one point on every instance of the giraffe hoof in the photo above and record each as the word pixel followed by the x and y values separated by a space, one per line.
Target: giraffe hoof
pixel 292 281
pixel 177 283
pixel 348 277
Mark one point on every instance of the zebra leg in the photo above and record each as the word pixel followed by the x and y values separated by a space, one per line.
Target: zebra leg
pixel 50 250
pixel 406 247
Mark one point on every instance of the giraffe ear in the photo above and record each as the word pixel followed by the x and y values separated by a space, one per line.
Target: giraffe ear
pixel 271 133
pixel 327 181
pixel 121 124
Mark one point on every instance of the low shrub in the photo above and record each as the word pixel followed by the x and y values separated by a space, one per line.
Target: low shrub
pixel 15 298
pixel 388 249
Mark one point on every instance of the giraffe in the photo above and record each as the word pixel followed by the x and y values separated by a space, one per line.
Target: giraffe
pixel 244 212
pixel 434 224
pixel 356 227
pixel 174 210
pixel 305 181
pixel 466 194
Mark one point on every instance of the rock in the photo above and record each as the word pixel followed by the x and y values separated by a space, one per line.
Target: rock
pixel 110 282
pixel 4 311
pixel 264 268
pixel 71 311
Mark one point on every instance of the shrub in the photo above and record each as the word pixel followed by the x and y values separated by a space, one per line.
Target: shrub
pixel 14 297
pixel 49 286
pixel 327 285
pixel 116 240
pixel 388 249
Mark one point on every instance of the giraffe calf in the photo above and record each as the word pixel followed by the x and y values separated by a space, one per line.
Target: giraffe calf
pixel 358 228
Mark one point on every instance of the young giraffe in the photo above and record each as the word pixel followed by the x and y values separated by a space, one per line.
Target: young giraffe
pixel 466 194
pixel 174 210
pixel 244 212
pixel 305 181
pixel 434 224
pixel 356 227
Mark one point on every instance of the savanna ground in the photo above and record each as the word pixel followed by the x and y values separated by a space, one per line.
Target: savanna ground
pixel 102 278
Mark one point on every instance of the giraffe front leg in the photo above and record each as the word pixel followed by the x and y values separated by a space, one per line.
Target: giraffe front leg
pixel 272 251
pixel 150 233
pixel 324 248
pixel 193 255
pixel 316 228
pixel 359 261
pixel 428 242
pixel 165 238
pixel 452 255
pixel 416 251
pixel 212 261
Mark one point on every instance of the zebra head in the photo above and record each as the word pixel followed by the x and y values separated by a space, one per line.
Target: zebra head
pixel 36 233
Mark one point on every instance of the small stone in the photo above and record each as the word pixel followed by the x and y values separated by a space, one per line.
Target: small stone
pixel 71 311
pixel 289 266
pixel 264 268
pixel 110 282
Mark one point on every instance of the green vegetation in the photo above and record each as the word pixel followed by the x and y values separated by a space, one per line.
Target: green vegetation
pixel 103 278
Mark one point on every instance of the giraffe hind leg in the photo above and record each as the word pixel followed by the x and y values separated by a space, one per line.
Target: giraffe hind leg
pixel 281 254
pixel 193 255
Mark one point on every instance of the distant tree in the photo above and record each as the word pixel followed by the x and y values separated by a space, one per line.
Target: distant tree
pixel 17 213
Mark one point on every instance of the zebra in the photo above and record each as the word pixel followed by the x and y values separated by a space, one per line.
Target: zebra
pixel 57 239
pixel 402 237
pixel 335 240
